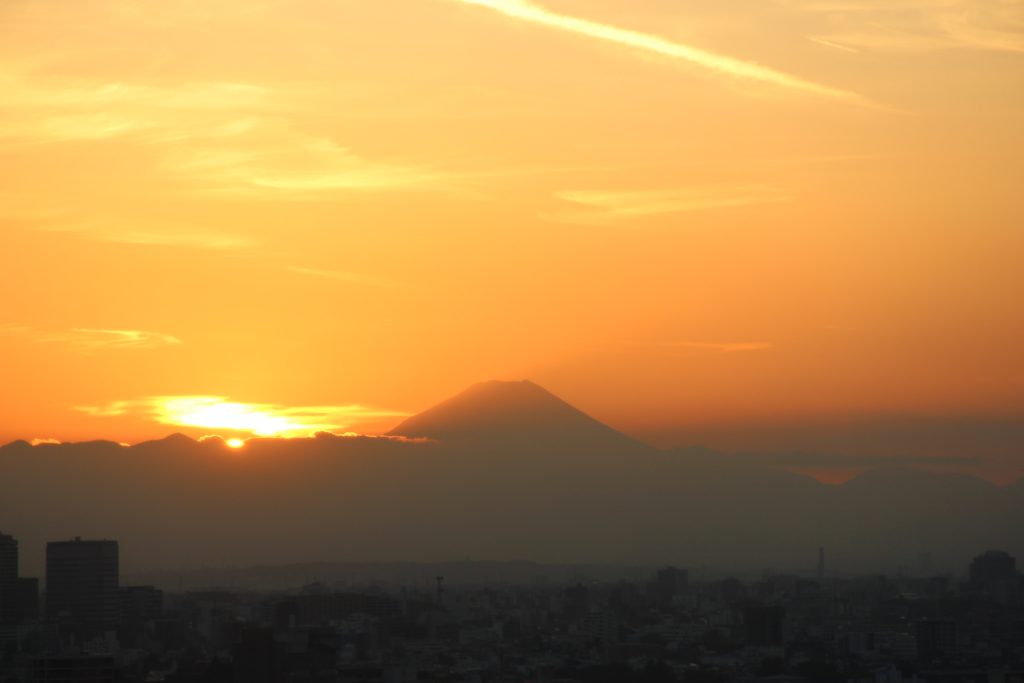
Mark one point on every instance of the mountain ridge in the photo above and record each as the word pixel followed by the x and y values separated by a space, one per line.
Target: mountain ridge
pixel 568 490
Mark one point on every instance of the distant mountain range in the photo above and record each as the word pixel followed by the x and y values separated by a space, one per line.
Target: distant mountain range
pixel 503 471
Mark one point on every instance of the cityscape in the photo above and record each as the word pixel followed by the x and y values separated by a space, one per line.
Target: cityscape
pixel 86 625
pixel 511 341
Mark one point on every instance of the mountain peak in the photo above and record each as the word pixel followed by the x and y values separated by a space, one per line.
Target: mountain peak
pixel 178 437
pixel 176 440
pixel 512 411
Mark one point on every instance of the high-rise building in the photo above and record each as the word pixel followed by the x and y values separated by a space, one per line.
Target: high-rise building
pixel 993 566
pixel 8 558
pixel 8 575
pixel 82 594
pixel 23 600
pixel 668 583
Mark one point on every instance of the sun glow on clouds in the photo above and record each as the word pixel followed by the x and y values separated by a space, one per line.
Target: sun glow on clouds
pixel 259 419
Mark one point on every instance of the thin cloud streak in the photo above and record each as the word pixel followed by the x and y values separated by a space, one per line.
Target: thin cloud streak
pixel 173 238
pixel 839 461
pixel 590 207
pixel 122 339
pixel 340 276
pixel 919 25
pixel 834 46
pixel 219 137
pixel 718 347
pixel 93 339
pixel 723 347
pixel 723 64
pixel 118 230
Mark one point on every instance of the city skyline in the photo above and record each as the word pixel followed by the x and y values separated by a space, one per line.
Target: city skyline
pixel 466 621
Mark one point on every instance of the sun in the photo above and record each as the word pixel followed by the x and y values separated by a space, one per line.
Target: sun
pixel 214 412
pixel 235 443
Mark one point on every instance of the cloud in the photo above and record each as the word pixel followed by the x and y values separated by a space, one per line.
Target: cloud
pixel 274 159
pixel 44 110
pixel 340 276
pixel 260 419
pixel 190 238
pixel 834 461
pixel 173 238
pixel 120 339
pixel 122 231
pixel 997 30
pixel 889 40
pixel 524 10
pixel 591 207
pixel 712 347
pixel 91 339
pixel 723 347
pixel 221 137
pixel 919 25
pixel 829 43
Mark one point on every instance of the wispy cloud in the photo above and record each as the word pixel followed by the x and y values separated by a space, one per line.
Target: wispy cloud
pixel 711 347
pixel 276 160
pixel 590 207
pixel 1003 32
pixel 524 10
pixel 918 25
pixel 833 45
pixel 216 137
pixel 260 419
pixel 884 40
pixel 175 238
pixel 50 110
pixel 155 236
pixel 830 461
pixel 341 276
pixel 723 347
pixel 91 339
pixel 122 231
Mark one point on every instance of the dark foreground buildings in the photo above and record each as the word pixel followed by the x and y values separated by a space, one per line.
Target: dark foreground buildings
pixel 82 581
pixel 19 596
pixel 669 627
pixel 992 567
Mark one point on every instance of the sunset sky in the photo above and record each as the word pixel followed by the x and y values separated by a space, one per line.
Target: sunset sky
pixel 756 225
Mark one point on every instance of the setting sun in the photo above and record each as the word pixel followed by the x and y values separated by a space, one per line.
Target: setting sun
pixel 702 222
pixel 216 413
pixel 235 443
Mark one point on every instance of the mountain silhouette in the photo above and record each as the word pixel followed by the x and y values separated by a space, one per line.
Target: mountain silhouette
pixel 513 412
pixel 508 471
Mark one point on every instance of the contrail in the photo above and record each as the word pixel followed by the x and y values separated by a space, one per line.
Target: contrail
pixel 528 11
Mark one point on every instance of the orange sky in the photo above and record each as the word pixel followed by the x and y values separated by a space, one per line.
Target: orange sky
pixel 757 224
